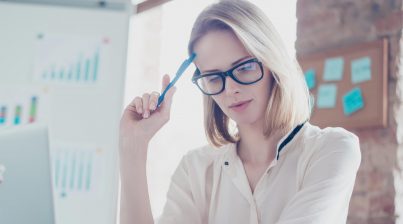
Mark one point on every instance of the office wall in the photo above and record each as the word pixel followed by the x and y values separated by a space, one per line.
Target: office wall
pixel 378 193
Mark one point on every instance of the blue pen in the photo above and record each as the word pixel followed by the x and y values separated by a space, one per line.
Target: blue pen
pixel 179 73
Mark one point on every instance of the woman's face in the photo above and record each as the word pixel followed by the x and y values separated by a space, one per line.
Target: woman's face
pixel 220 51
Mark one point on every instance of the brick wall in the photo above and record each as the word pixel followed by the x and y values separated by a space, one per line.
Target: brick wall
pixel 327 24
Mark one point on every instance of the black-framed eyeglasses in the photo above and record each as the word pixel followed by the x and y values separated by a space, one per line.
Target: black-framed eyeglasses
pixel 245 73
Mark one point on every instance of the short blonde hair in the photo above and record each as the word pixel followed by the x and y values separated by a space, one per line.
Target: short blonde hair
pixel 289 102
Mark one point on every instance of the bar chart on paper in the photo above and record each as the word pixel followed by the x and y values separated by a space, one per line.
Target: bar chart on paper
pixel 82 69
pixel 69 59
pixel 11 114
pixel 76 170
pixel 21 106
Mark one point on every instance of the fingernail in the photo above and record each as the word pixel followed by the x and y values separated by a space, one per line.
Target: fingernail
pixel 146 114
pixel 152 106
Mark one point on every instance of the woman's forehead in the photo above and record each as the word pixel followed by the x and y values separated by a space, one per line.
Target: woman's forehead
pixel 217 50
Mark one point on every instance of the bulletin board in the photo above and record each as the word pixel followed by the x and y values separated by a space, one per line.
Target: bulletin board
pixel 65 66
pixel 348 85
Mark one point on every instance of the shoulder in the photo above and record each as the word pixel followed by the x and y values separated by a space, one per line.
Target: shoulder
pixel 332 142
pixel 330 137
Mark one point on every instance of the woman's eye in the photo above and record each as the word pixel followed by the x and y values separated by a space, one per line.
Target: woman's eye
pixel 247 67
pixel 213 79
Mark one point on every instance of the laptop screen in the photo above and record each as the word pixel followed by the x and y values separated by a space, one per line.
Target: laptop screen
pixel 26 187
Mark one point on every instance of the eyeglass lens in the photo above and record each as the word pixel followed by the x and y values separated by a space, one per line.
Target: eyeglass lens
pixel 245 74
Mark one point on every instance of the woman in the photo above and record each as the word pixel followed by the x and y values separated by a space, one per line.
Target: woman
pixel 274 167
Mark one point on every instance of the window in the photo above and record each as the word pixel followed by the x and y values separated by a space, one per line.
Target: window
pixel 283 16
pixel 158 45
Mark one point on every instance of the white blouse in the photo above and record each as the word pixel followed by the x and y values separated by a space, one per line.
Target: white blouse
pixel 310 182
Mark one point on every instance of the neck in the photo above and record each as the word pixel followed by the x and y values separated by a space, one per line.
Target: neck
pixel 254 147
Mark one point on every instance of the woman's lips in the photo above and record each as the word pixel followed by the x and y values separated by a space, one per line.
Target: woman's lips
pixel 240 107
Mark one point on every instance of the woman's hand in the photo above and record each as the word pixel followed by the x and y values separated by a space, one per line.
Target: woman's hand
pixel 142 119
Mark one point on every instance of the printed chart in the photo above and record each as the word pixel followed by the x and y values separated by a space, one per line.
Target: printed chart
pixel 76 169
pixel 20 106
pixel 69 59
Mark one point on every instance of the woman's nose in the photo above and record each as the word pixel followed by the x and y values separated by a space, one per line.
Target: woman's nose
pixel 231 86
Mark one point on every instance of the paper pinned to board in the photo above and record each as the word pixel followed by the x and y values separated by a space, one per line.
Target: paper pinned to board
pixel 333 69
pixel 361 70
pixel 23 104
pixel 327 95
pixel 69 59
pixel 77 169
pixel 310 78
pixel 353 101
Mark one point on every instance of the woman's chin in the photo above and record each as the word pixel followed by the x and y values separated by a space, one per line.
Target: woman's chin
pixel 244 120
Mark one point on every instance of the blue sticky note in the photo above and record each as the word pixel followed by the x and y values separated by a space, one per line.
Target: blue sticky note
pixel 361 70
pixel 333 69
pixel 327 95
pixel 310 78
pixel 352 101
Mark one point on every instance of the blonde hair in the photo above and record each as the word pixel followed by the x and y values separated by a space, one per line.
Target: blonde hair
pixel 289 102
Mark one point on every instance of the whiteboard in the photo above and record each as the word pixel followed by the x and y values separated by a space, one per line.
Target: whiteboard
pixel 77 58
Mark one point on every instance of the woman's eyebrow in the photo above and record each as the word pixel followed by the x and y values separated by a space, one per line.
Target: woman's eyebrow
pixel 232 64
pixel 239 60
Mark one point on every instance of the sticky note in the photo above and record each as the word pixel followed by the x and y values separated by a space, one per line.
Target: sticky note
pixel 361 70
pixel 333 69
pixel 352 101
pixel 310 78
pixel 327 95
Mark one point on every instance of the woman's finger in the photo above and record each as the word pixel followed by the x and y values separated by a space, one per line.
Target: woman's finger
pixel 146 106
pixel 166 105
pixel 165 82
pixel 154 100
pixel 138 103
